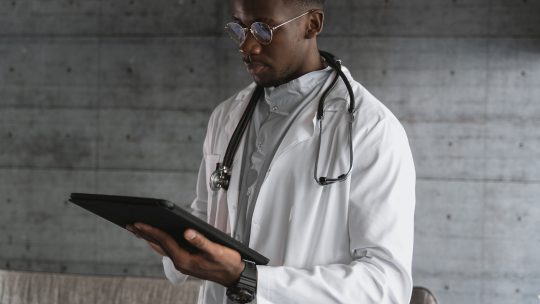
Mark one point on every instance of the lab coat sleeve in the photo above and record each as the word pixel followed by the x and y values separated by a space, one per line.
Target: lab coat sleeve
pixel 174 276
pixel 198 208
pixel 199 205
pixel 380 226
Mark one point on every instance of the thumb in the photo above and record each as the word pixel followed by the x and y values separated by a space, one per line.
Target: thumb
pixel 196 239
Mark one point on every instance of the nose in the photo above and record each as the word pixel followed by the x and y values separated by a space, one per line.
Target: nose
pixel 250 45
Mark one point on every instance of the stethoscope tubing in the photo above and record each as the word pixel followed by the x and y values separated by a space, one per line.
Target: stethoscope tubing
pixel 242 126
pixel 221 176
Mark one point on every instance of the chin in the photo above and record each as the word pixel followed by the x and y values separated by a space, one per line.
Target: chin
pixel 268 82
pixel 263 83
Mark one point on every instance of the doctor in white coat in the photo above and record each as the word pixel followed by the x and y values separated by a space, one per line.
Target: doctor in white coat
pixel 346 242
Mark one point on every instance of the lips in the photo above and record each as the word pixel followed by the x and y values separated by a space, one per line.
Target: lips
pixel 254 67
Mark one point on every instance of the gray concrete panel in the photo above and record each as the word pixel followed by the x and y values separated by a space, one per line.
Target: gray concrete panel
pixel 512 153
pixel 515 18
pixel 160 73
pixel 448 209
pixel 49 72
pixel 445 151
pixel 176 186
pixel 28 17
pixel 151 140
pixel 180 17
pixel 41 138
pixel 512 111
pixel 118 18
pixel 410 18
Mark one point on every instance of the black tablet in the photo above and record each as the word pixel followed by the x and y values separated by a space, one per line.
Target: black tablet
pixel 162 214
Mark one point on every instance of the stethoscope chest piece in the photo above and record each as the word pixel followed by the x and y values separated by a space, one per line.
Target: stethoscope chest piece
pixel 220 177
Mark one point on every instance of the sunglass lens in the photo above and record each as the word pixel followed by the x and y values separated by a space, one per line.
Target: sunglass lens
pixel 236 32
pixel 262 32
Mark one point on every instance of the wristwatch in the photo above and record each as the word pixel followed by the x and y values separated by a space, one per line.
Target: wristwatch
pixel 245 289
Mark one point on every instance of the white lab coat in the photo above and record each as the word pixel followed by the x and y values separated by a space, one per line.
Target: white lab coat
pixel 349 242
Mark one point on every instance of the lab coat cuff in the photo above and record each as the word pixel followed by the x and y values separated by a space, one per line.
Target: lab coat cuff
pixel 173 275
pixel 266 290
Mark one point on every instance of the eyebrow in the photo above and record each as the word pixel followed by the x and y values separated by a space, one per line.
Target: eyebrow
pixel 236 19
pixel 265 20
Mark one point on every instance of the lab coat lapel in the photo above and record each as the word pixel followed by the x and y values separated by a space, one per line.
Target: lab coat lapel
pixel 232 121
pixel 237 110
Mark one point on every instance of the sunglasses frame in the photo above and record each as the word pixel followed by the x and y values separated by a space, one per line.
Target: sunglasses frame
pixel 263 25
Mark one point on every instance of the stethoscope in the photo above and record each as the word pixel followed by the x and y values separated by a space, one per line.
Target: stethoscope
pixel 221 177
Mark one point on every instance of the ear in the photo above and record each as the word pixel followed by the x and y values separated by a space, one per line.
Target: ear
pixel 315 24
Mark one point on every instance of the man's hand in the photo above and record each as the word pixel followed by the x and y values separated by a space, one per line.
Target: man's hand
pixel 214 262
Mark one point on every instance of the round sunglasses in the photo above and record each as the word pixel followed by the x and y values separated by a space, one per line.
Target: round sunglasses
pixel 262 32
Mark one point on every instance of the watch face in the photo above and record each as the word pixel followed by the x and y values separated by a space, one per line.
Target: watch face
pixel 239 295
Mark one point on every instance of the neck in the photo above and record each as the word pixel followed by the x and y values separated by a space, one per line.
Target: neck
pixel 312 62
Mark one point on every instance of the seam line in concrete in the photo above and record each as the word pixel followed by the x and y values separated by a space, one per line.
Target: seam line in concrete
pixel 477 180
pixel 98 170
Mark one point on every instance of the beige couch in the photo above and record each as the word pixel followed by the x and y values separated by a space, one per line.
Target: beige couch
pixel 48 288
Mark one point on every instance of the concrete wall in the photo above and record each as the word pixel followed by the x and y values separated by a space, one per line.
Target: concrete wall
pixel 113 97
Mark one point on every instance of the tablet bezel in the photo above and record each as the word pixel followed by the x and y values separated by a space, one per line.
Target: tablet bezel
pixel 162 214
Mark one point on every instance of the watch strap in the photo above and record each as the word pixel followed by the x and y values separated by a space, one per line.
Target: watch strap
pixel 245 289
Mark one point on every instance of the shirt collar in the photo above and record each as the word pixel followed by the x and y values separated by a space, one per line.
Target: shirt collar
pixel 284 98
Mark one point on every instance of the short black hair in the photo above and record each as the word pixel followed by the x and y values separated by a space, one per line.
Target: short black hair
pixel 309 3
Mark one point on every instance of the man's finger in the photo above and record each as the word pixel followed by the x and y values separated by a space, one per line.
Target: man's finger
pixel 196 239
pixel 157 248
pixel 155 233
pixel 143 233
pixel 133 230
pixel 159 237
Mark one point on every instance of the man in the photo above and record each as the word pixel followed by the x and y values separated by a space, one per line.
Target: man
pixel 345 242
